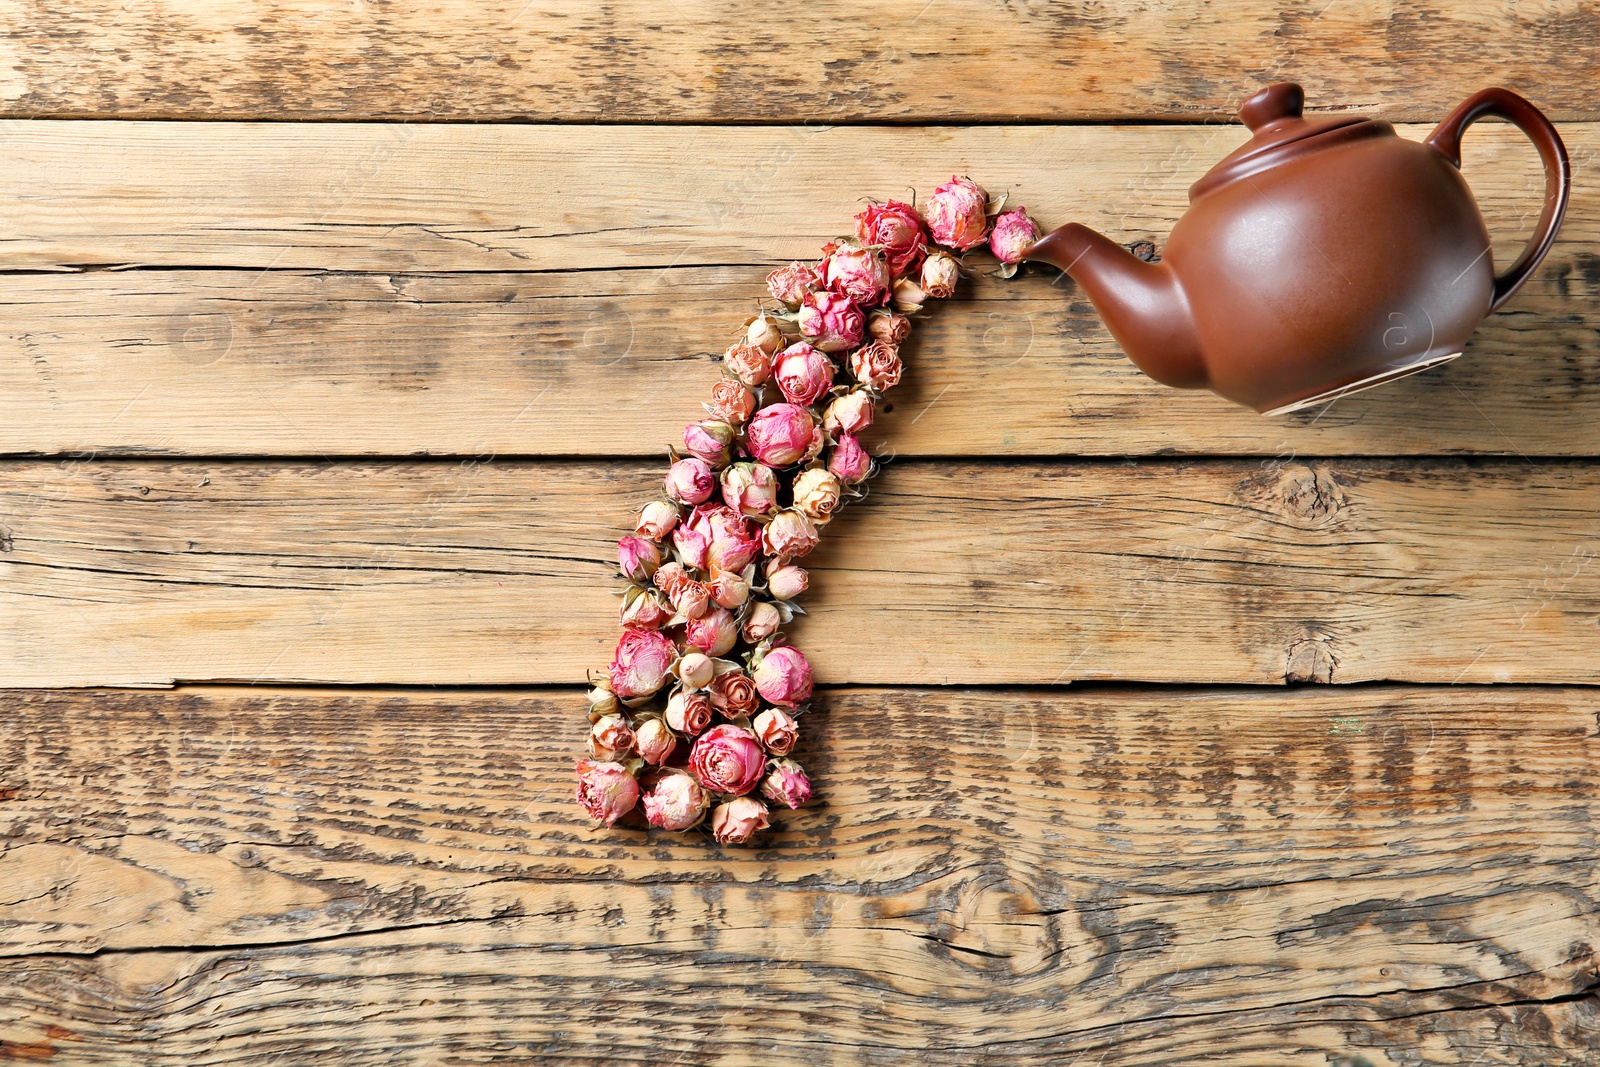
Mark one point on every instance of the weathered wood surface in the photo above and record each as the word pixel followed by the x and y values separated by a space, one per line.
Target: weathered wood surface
pixel 1133 877
pixel 903 60
pixel 123 572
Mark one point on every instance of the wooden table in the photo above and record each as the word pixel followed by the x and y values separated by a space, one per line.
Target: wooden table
pixel 334 364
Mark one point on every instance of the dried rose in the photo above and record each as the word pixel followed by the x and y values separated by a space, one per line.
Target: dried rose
pixel 859 273
pixel 736 821
pixel 908 296
pixel 779 434
pixel 728 759
pixel 688 713
pixel 888 327
pixel 848 460
pixel 749 363
pixel 877 365
pixel 831 321
pixel 850 413
pixel 762 622
pixel 610 738
pixel 789 535
pixel 638 558
pixel 787 581
pixel 655 741
pixel 708 440
pixel 646 611
pixel 602 701
pixel 640 664
pixel 728 589
pixel 896 227
pixel 734 694
pixel 689 598
pixel 940 273
pixel 676 802
pixel 732 401
pixel 735 541
pixel 1013 232
pixel 656 520
pixel 750 489
pixel 690 480
pixel 783 676
pixel 606 790
pixel 713 633
pixel 789 285
pixel 956 214
pixel 692 546
pixel 776 730
pixel 802 373
pixel 786 783
pixel 696 670
pixel 764 333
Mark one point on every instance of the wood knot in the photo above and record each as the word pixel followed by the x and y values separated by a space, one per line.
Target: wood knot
pixel 1302 496
pixel 1309 659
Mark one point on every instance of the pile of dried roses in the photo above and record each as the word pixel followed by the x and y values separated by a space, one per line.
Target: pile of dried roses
pixel 697 713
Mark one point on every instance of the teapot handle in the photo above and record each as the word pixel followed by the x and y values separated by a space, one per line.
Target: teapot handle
pixel 1507 105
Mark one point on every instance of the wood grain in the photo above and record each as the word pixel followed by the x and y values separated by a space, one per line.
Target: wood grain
pixel 141 572
pixel 1129 876
pixel 903 60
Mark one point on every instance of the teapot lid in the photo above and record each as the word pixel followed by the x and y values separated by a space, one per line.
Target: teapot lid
pixel 1280 132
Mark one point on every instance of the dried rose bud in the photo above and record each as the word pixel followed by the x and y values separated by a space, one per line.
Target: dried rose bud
pixel 728 589
pixel 877 365
pixel 655 741
pixel 888 327
pixel 713 633
pixel 895 227
pixel 610 738
pixel 736 821
pixel 690 480
pixel 956 214
pixel 602 701
pixel 640 664
pixel 656 520
pixel 689 598
pixel 638 558
pixel 708 440
pixel 748 363
pixel 764 333
pixel 859 273
pixel 692 546
pixel 688 713
pixel 831 321
pixel 817 493
pixel 645 611
pixel 735 541
pixel 1013 232
pixel 789 285
pixel 606 790
pixel 776 730
pixel 728 759
pixel 785 784
pixel 783 677
pixel 940 273
pixel 762 622
pixel 732 401
pixel 848 460
pixel 779 434
pixel 733 694
pixel 789 535
pixel 676 802
pixel 802 373
pixel 908 296
pixel 696 670
pixel 850 413
pixel 786 581
pixel 750 489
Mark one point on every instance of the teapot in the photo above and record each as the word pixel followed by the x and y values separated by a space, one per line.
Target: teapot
pixel 1324 256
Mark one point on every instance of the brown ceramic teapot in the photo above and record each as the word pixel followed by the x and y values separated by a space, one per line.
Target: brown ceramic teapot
pixel 1324 256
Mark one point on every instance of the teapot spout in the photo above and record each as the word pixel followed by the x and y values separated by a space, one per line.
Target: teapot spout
pixel 1143 304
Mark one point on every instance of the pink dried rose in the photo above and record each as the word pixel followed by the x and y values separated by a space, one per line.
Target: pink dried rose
pixel 736 821
pixel 848 460
pixel 655 741
pixel 776 730
pixel 908 296
pixel 732 401
pixel 750 489
pixel 688 713
pixel 817 493
pixel 888 327
pixel 610 738
pixel 896 228
pixel 692 546
pixel 728 759
pixel 831 322
pixel 764 333
pixel 787 581
pixel 786 783
pixel 606 790
pixel 802 373
pixel 789 535
pixel 1013 232
pixel 713 633
pixel 640 664
pixel 940 273
pixel 859 273
pixel 696 670
pixel 780 434
pixel 676 802
pixel 877 365
pixel 689 597
pixel 789 285
pixel 638 558
pixel 850 413
pixel 749 363
pixel 728 589
pixel 783 677
pixel 708 440
pixel 762 622
pixel 656 520
pixel 734 540
pixel 955 214
pixel 734 694
pixel 646 610
pixel 690 480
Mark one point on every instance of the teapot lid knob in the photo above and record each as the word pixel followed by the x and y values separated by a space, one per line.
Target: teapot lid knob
pixel 1279 101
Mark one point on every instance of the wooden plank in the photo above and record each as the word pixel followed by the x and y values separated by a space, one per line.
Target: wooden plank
pixel 902 60
pixel 1128 876
pixel 298 363
pixel 126 572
